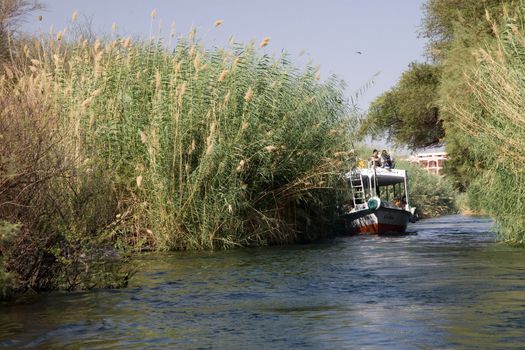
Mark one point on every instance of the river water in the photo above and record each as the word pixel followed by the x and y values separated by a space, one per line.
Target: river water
pixel 448 285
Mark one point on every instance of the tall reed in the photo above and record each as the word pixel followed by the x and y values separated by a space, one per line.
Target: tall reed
pixel 52 209
pixel 495 125
pixel 201 148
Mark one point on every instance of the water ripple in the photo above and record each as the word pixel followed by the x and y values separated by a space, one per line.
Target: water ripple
pixel 448 285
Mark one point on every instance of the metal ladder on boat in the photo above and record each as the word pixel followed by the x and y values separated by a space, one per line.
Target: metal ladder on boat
pixel 356 184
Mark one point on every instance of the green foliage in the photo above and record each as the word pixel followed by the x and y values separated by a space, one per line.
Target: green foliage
pixel 477 50
pixel 7 234
pixel 6 282
pixel 478 90
pixel 206 148
pixel 493 125
pixel 182 149
pixel 408 113
pixel 444 19
pixel 418 110
pixel 456 29
pixel 431 194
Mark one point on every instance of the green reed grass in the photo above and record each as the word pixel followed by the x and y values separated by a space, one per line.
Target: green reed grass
pixel 495 124
pixel 201 148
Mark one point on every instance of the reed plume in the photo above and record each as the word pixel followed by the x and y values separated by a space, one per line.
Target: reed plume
pixel 204 148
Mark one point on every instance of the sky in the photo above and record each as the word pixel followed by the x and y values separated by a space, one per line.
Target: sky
pixel 360 41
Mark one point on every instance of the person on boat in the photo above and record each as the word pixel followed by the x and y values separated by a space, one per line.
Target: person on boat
pixel 400 202
pixel 386 160
pixel 404 202
pixel 375 159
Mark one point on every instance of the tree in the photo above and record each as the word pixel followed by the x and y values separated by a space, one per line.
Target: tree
pixel 415 112
pixel 443 18
pixel 409 113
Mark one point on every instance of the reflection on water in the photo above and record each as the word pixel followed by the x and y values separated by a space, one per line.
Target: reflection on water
pixel 449 286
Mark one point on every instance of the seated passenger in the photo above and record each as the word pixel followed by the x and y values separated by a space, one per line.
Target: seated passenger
pixel 375 160
pixel 404 203
pixel 386 160
pixel 400 202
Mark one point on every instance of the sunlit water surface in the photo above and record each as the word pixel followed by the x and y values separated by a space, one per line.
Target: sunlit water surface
pixel 448 286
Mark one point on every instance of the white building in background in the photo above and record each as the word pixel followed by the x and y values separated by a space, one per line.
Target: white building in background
pixel 433 162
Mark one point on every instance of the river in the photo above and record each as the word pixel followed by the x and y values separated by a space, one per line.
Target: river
pixel 448 285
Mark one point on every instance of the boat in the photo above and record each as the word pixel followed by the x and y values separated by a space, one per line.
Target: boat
pixel 379 201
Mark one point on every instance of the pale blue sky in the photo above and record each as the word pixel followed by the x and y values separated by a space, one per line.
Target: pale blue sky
pixel 329 31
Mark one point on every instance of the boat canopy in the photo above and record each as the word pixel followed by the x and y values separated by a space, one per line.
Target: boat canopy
pixel 384 177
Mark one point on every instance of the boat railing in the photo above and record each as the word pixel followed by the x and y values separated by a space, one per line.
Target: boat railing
pixel 358 189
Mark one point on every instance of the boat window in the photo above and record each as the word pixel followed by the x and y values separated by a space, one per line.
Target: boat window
pixel 393 192
pixel 387 192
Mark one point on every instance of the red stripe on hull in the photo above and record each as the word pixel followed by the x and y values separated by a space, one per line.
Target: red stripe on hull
pixel 381 221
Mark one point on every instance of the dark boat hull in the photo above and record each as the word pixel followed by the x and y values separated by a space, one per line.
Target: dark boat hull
pixel 380 221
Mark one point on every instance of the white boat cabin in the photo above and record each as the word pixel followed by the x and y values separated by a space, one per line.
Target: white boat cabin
pixel 390 186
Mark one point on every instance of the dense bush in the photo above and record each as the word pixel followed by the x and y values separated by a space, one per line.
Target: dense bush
pixel 408 114
pixel 53 215
pixel 431 194
pixel 7 285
